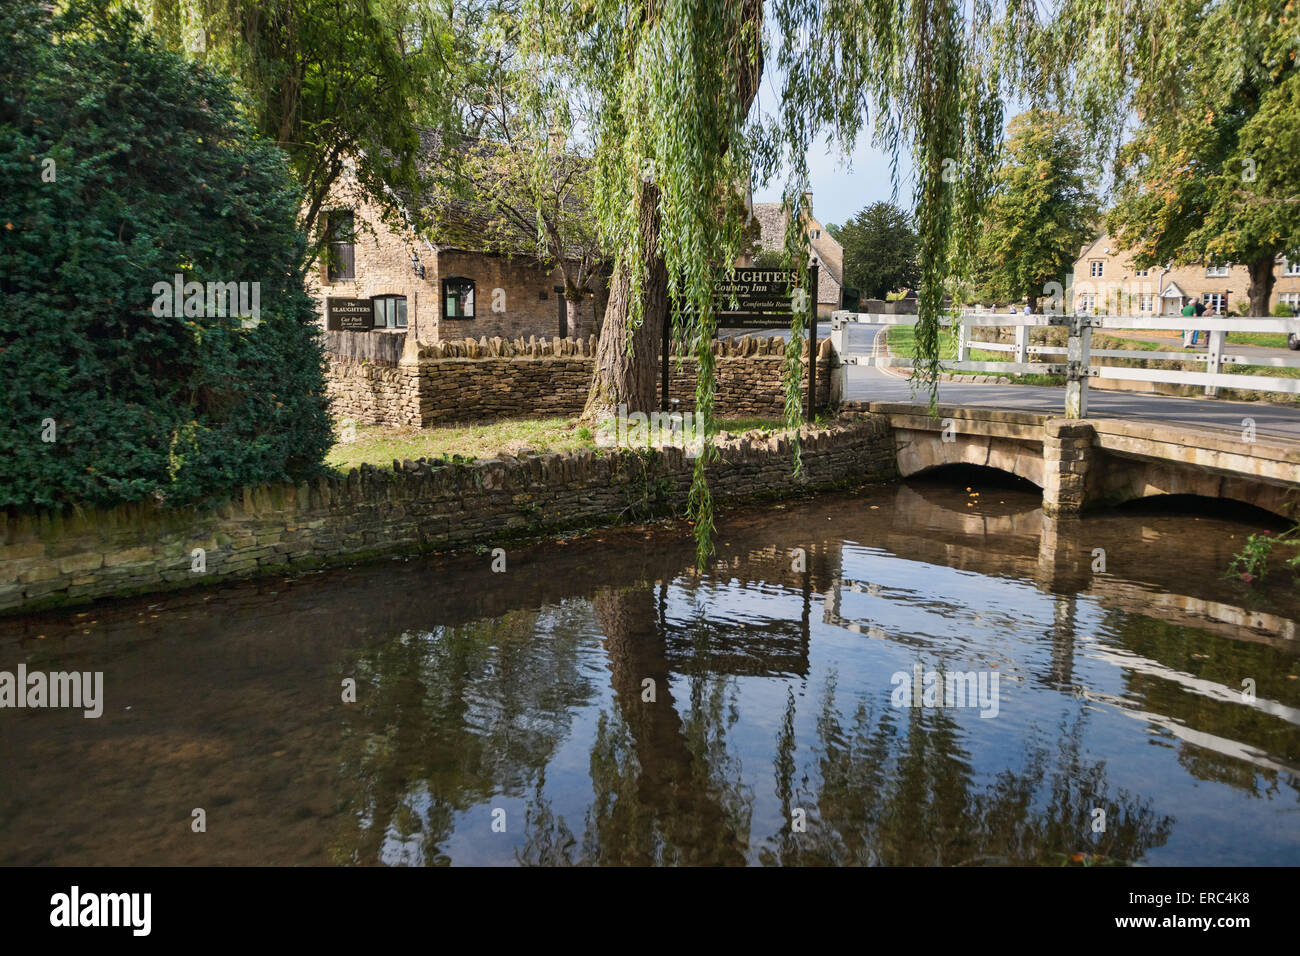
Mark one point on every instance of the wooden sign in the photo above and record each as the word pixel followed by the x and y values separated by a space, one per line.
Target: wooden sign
pixel 349 315
pixel 758 299
pixel 763 298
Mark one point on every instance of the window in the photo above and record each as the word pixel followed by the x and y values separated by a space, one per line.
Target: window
pixel 1147 302
pixel 339 253
pixel 1216 272
pixel 1143 273
pixel 390 311
pixel 1087 303
pixel 457 298
pixel 1290 268
pixel 1292 299
pixel 1096 268
pixel 1215 302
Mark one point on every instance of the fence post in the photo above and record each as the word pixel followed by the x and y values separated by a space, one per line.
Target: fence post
pixel 1077 348
pixel 963 339
pixel 839 371
pixel 1214 358
pixel 1022 344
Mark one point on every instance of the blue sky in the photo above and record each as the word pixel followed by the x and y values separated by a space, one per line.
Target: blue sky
pixel 843 185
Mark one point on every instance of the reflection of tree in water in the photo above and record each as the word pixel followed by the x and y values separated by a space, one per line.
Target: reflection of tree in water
pixel 448 718
pixel 1226 662
pixel 658 798
pixel 665 790
pixel 898 788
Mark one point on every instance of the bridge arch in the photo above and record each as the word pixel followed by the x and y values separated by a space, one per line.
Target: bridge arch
pixel 921 451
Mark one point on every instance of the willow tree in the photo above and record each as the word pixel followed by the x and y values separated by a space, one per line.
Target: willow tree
pixel 675 142
pixel 674 135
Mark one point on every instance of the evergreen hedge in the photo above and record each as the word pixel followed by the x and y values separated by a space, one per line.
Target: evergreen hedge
pixel 154 172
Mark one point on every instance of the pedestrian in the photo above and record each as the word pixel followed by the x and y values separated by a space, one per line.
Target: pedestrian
pixel 1200 311
pixel 1189 311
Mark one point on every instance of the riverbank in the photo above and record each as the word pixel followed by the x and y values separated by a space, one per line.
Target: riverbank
pixel 51 559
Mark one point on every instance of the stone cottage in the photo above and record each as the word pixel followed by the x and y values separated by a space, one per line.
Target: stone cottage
pixel 827 254
pixel 1106 281
pixel 464 273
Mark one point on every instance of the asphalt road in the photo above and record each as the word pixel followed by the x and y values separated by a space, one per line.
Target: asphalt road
pixel 868 384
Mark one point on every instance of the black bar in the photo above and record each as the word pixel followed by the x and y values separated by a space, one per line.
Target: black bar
pixel 812 343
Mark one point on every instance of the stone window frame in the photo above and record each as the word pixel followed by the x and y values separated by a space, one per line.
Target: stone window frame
pixel 1290 268
pixel 1096 268
pixel 399 310
pixel 1217 271
pixel 1219 300
pixel 1147 302
pixel 458 286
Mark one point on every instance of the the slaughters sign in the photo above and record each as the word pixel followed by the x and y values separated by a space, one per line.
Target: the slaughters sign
pixel 349 315
pixel 764 298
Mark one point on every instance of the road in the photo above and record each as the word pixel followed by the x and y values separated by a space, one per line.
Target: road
pixel 870 384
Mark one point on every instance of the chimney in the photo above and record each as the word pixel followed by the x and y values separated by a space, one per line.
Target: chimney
pixel 807 202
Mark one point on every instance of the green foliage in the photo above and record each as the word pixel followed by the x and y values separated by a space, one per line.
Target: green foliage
pixel 332 82
pixel 771 259
pixel 1283 311
pixel 880 248
pixel 1251 562
pixel 670 86
pixel 154 174
pixel 1210 173
pixel 1040 210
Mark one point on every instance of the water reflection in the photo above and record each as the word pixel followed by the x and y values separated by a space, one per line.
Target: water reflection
pixel 602 704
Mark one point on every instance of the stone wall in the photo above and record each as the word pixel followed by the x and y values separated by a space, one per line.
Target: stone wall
pixel 489 379
pixel 54 558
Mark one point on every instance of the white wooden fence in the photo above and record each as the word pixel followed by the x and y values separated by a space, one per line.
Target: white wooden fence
pixel 1080 359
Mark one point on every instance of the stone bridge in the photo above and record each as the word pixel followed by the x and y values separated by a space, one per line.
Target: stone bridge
pixel 1096 462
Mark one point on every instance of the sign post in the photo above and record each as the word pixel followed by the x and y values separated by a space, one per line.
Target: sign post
pixel 764 300
pixel 812 343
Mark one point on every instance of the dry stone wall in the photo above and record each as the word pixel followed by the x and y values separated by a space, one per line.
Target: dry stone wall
pixel 493 378
pixel 53 558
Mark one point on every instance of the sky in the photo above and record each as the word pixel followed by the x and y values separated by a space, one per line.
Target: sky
pixel 841 186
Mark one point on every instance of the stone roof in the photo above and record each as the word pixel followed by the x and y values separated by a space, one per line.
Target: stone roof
pixel 771 220
pixel 770 217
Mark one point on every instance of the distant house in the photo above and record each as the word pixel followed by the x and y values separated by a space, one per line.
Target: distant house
pixel 770 219
pixel 478 278
pixel 1106 281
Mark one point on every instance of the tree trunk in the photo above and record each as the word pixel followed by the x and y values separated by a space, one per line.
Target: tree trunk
pixel 620 378
pixel 573 302
pixel 630 379
pixel 1261 284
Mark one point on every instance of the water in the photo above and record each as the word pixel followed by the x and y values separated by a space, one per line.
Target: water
pixel 523 692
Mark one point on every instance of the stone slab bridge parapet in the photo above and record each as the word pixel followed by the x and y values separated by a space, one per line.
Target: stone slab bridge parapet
pixel 1089 463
